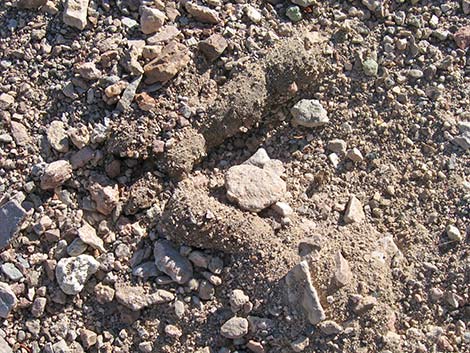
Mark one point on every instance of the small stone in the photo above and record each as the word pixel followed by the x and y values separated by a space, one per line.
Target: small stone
pixel 309 113
pixel 55 174
pixel 463 141
pixel 79 136
pixel 462 37
pixel 363 304
pixel 282 209
pixel 453 233
pixel 466 6
pixel 354 211
pixel 294 14
pixel 31 4
pixel 202 13
pixel 253 188
pixel 6 101
pixel 238 299
pixel 342 274
pixel 105 197
pixel 76 247
pixel 301 292
pixel 75 13
pixel 235 328
pixel 133 298
pixel 173 331
pixel 145 101
pixel 169 261
pixel 253 14
pixel 259 159
pixel 355 155
pixel 88 235
pixel 338 146
pixel 145 347
pixel 57 136
pixel 73 272
pixel 179 308
pixel 88 338
pixel 11 217
pixel 115 89
pixel 255 347
pixel 415 73
pixel 20 134
pixel 88 71
pixel 12 272
pixel 199 259
pixel 128 95
pixel 334 159
pixel 213 47
pixel 206 290
pixel 166 34
pixel 303 3
pixel 330 327
pixel 38 307
pixel 173 58
pixel 8 300
pixel 151 20
pixel 104 294
pixel 4 346
pixel 146 270
pixel 300 344
pixel 370 67
pixel 82 158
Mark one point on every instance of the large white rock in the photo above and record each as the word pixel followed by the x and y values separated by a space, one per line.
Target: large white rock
pixel 75 13
pixel 253 188
pixel 73 272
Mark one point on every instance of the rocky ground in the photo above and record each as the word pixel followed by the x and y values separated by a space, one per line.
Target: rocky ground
pixel 222 176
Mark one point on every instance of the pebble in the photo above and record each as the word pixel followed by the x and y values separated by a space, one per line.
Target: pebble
pixel 55 174
pixel 252 188
pixel 342 273
pixel 259 159
pixel 363 304
pixel 11 217
pixel 462 37
pixel 151 20
pixel 354 211
pixel 106 197
pixel 104 294
pixel 8 300
pixel 76 247
pixel 213 47
pixel 128 94
pixel 38 307
pixel 4 346
pixel 234 328
pixel 6 101
pixel 173 331
pixel 303 3
pixel 173 58
pixel 453 233
pixel 166 34
pixel 253 14
pixel 146 270
pixel 202 13
pixel 57 136
pixel 282 209
pixel 179 308
pixel 169 261
pixel 300 344
pixel 355 155
pixel 370 67
pixel 338 146
pixel 79 136
pixel 20 134
pixel 330 327
pixel 73 272
pixel 88 235
pixel 88 338
pixel 255 347
pixel 206 290
pixel 146 347
pixel 75 13
pixel 237 300
pixel 82 158
pixel 12 272
pixel 88 71
pixel 309 113
pixel 294 13
pixel 199 259
pixel 301 292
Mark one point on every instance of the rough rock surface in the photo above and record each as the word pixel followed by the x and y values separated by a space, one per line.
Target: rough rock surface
pixel 55 174
pixel 309 113
pixel 75 13
pixel 8 300
pixel 169 261
pixel 73 272
pixel 11 216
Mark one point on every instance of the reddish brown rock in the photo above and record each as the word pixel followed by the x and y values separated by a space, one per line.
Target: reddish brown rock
pixel 173 58
pixel 145 101
pixel 213 46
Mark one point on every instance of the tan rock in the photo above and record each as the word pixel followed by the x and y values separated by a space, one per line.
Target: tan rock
pixel 20 134
pixel 75 13
pixel 88 235
pixel 151 20
pixel 354 212
pixel 106 197
pixel 202 13
pixel 55 174
pixel 213 46
pixel 173 58
pixel 462 37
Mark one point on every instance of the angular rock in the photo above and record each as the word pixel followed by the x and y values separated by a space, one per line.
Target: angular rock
pixel 31 4
pixel 453 233
pixel 151 20
pixel 259 159
pixel 342 275
pixel 75 13
pixel 355 155
pixel 81 158
pixel 370 67
pixel 146 270
pixel 55 174
pixel 169 261
pixel 463 141
pixel 11 271
pixel 73 272
pixel 462 37
pixel 88 71
pixel 57 136
pixel 300 344
pixel 38 307
pixel 309 113
pixel 213 46
pixel 338 146
pixel 128 95
pixel 105 196
pixel 303 3
pixel 234 328
pixel 166 34
pixel 466 6
pixel 20 134
pixel 202 13
pixel 173 58
pixel 253 188
pixel 6 101
pixel 136 299
pixel 282 209
pixel 300 290
pixel 11 216
pixel 104 294
pixel 354 211
pixel 4 346
pixel 330 327
pixel 88 235
pixel 238 299
pixel 8 300
pixel 88 338
pixel 76 247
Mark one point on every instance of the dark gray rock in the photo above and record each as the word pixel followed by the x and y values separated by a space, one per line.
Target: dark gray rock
pixel 169 261
pixel 7 300
pixel 11 216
